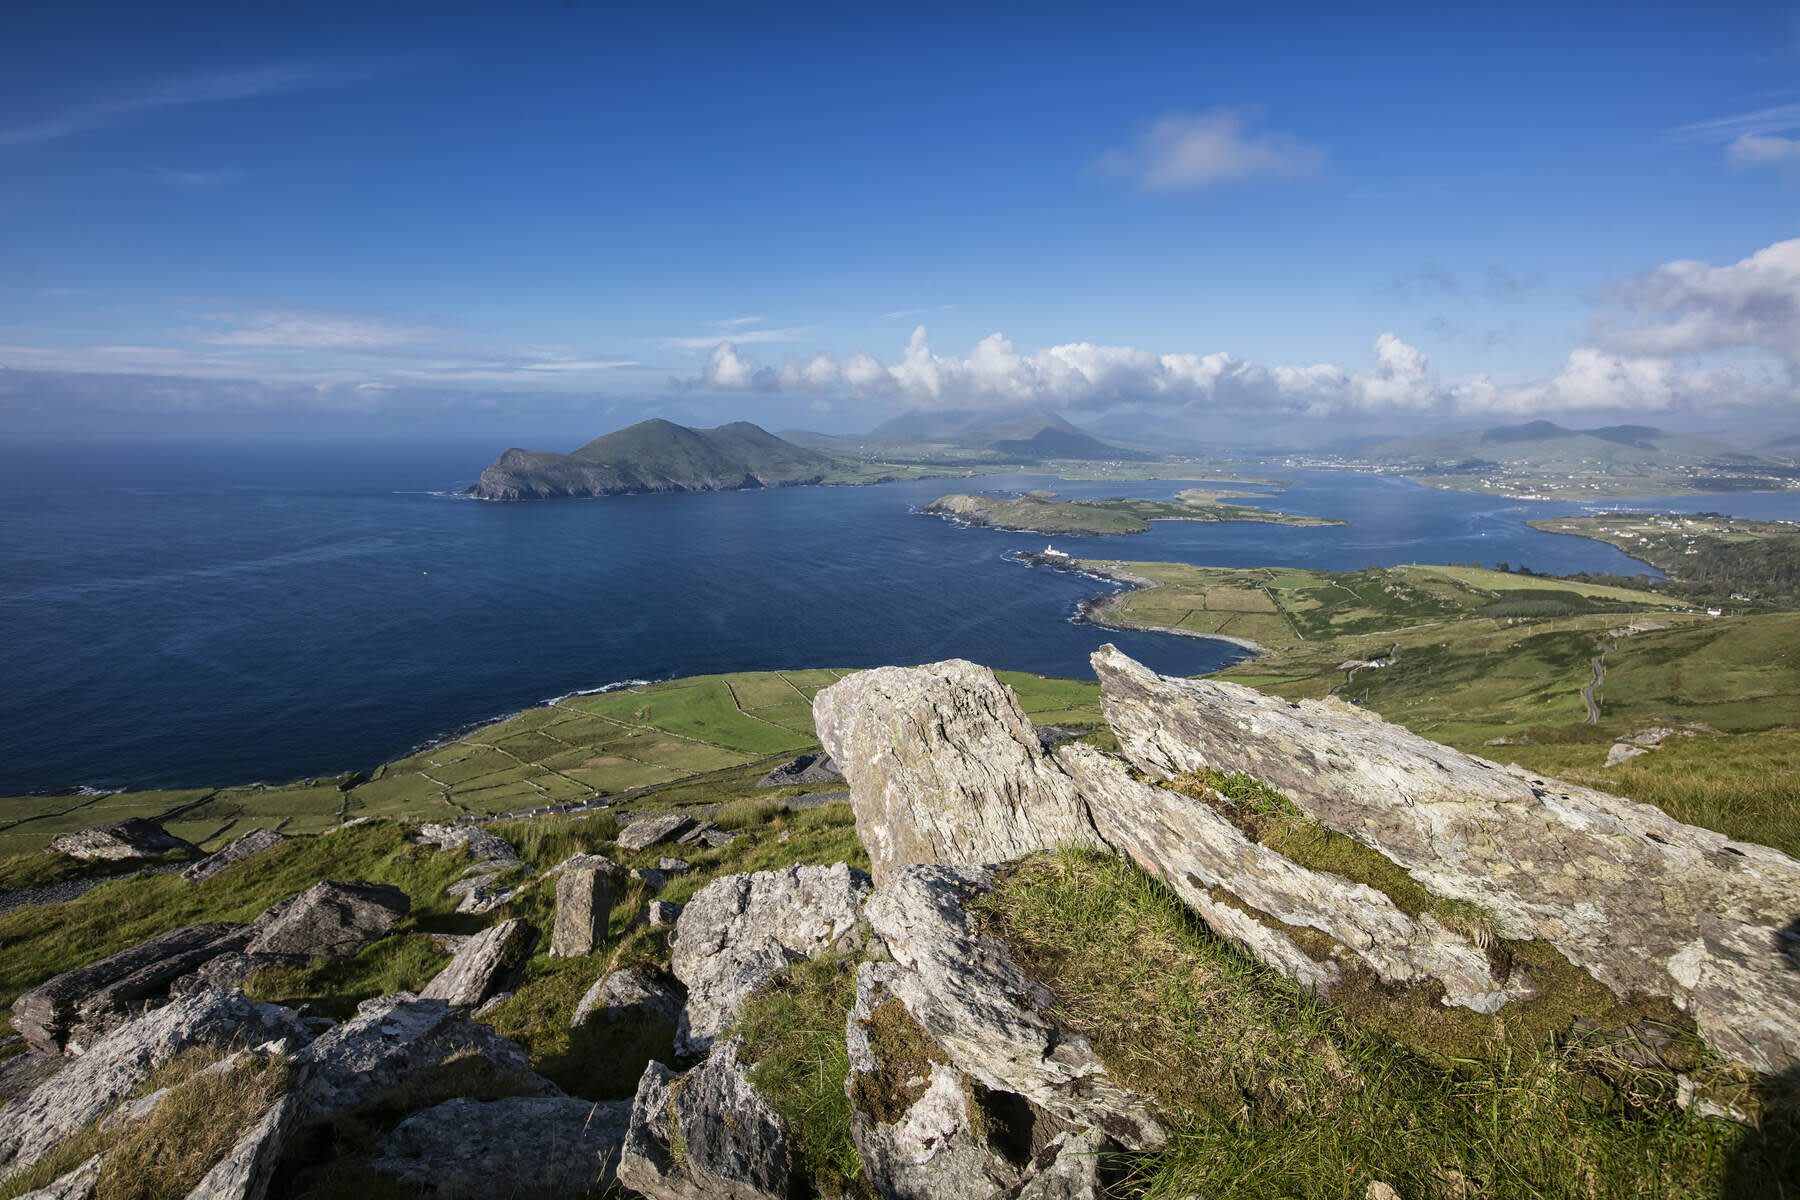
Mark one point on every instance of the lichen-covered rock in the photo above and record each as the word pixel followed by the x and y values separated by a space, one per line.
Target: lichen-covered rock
pixel 630 994
pixel 481 965
pixel 1072 1166
pixel 471 1149
pixel 329 920
pixel 135 837
pixel 1642 902
pixel 964 989
pixel 732 1144
pixel 917 1121
pixel 254 842
pixel 650 831
pixel 661 914
pixel 1194 850
pixel 481 893
pixel 91 1085
pixel 739 930
pixel 583 899
pixel 78 1007
pixel 477 842
pixel 75 1185
pixel 945 767
pixel 393 1040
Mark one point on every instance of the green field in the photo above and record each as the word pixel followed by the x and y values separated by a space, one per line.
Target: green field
pixel 1040 512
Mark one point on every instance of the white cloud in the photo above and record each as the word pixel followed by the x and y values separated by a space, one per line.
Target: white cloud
pixel 738 322
pixel 1198 150
pixel 1689 307
pixel 302 330
pixel 1762 150
pixel 707 341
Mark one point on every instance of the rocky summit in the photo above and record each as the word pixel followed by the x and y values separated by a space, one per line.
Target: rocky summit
pixel 1064 964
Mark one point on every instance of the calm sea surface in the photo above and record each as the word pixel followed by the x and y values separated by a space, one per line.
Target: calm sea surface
pixel 211 614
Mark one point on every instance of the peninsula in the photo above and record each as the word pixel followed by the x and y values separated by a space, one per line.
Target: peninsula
pixel 1041 512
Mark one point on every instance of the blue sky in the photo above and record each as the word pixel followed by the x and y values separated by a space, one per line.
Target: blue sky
pixel 559 216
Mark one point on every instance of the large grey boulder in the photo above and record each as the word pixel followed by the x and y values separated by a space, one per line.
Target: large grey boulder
pixel 739 930
pixel 628 994
pixel 945 767
pixel 254 842
pixel 393 1040
pixel 705 1135
pixel 78 1007
pixel 583 900
pixel 1642 902
pixel 482 965
pixel 807 768
pixel 472 1149
pixel 1070 1167
pixel 917 1121
pixel 651 831
pixel 135 837
pixel 91 1085
pixel 991 1019
pixel 1194 850
pixel 478 843
pixel 329 920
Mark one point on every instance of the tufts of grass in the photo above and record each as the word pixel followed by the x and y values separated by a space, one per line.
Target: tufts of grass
pixel 1271 1092
pixel 793 1029
pixel 333 988
pixel 749 812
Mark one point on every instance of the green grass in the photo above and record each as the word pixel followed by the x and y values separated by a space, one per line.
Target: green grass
pixel 1272 1093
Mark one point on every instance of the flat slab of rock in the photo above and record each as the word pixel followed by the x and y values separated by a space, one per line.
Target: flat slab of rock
pixel 945 767
pixel 482 965
pixel 807 768
pixel 739 930
pixel 329 920
pixel 88 1087
pixel 630 994
pixel 583 900
pixel 479 844
pixel 1639 900
pixel 254 842
pixel 136 837
pixel 85 1003
pixel 393 1039
pixel 732 1142
pixel 650 831
pixel 1193 849
pixel 966 992
pixel 244 1173
pixel 472 1149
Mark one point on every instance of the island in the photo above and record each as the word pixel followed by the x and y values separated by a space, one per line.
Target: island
pixel 1041 512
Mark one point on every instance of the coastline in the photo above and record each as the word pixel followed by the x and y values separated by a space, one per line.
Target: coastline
pixel 1095 610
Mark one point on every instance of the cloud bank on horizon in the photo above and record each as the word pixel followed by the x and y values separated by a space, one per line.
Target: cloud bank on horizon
pixel 1647 363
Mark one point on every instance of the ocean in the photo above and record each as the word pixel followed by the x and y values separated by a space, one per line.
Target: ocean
pixel 176 615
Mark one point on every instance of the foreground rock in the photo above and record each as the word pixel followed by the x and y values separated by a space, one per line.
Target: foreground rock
pixel 807 768
pixel 254 842
pixel 482 965
pixel 476 842
pixel 628 994
pixel 471 1150
pixel 1641 901
pixel 739 930
pixel 945 767
pixel 963 989
pixel 329 920
pixel 1195 850
pixel 705 1135
pixel 89 1087
pixel 394 1040
pixel 119 840
pixel 78 1007
pixel 583 900
pixel 244 1173
pixel 651 831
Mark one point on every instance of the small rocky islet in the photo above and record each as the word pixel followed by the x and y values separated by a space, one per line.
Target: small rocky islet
pixel 1437 895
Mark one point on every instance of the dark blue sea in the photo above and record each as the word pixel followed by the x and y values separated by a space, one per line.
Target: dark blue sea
pixel 199 614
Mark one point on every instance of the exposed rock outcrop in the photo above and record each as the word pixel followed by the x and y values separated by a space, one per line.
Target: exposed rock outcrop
pixel 395 1039
pixel 945 767
pixel 705 1135
pixel 1195 850
pixel 583 900
pixel 91 1085
pixel 78 1007
pixel 116 841
pixel 329 920
pixel 807 768
pixel 651 831
pixel 254 842
pixel 739 930
pixel 966 992
pixel 75 1185
pixel 630 994
pixel 482 965
pixel 478 843
pixel 1641 901
pixel 244 1173
pixel 471 1150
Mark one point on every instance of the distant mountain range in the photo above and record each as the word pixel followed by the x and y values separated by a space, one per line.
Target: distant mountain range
pixel 657 456
pixel 1020 435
